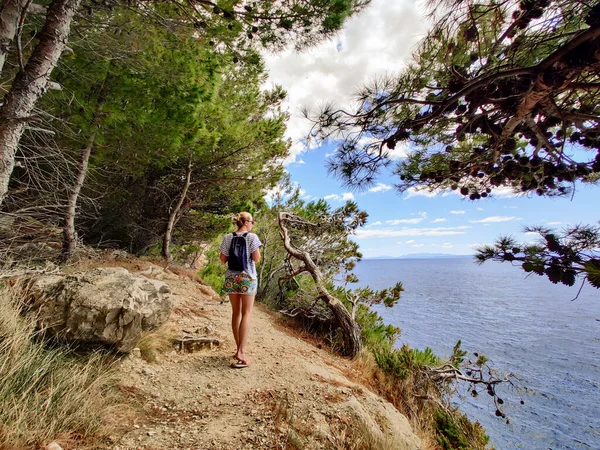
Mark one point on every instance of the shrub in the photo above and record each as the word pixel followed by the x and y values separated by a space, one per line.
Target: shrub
pixel 454 431
pixel 214 271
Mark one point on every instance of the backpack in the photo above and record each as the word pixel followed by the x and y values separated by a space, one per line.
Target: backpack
pixel 238 253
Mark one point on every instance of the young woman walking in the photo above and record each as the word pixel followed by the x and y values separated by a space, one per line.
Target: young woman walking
pixel 241 283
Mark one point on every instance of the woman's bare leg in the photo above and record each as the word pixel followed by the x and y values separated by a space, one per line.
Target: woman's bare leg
pixel 236 318
pixel 247 302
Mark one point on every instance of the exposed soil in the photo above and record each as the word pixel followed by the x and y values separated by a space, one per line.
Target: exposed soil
pixel 292 396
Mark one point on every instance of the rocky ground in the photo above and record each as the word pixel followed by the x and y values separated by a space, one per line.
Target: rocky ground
pixel 292 396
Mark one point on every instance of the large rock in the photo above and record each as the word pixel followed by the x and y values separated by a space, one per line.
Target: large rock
pixel 103 306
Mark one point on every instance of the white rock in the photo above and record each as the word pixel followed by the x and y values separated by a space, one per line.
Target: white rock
pixel 53 446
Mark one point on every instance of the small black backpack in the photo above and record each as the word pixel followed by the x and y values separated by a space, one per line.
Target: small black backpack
pixel 238 253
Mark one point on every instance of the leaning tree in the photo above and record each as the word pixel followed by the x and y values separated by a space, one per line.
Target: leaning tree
pixel 316 242
pixel 499 94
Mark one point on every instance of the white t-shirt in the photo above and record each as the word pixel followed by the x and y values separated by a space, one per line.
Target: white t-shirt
pixel 252 243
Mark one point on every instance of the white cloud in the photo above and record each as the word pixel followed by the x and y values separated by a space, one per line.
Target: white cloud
pixel 399 152
pixel 496 219
pixel 425 192
pixel 447 245
pixel 554 223
pixel 340 198
pixel 303 194
pixel 333 70
pixel 374 224
pixel 439 219
pixel 419 245
pixel 421 216
pixel 479 209
pixel 368 234
pixel 381 187
pixel 506 192
pixel 458 212
pixel 399 221
pixel 411 241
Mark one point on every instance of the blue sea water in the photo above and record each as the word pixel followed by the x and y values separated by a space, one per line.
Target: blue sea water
pixel 525 325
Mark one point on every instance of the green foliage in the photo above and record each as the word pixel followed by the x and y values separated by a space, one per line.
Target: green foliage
pixel 374 332
pixel 458 355
pixel 456 432
pixel 214 270
pixel 303 23
pixel 151 100
pixel 404 361
pixel 560 256
pixel 498 95
pixel 466 104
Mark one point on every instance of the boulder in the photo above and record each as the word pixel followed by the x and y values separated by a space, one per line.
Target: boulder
pixel 109 306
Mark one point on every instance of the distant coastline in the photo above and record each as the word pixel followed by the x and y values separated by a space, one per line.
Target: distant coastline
pixel 420 256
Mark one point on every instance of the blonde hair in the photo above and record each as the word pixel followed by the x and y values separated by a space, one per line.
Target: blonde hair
pixel 241 218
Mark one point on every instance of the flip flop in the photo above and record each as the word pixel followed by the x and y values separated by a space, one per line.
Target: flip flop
pixel 239 364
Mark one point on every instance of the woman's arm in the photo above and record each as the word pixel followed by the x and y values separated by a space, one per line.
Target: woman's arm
pixel 256 256
pixel 223 258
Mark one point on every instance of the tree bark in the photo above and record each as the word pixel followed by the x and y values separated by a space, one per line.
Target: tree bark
pixel 30 84
pixel 166 247
pixel 9 20
pixel 350 331
pixel 69 233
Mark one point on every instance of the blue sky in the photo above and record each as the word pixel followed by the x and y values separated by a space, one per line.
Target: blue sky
pixel 378 42
pixel 409 223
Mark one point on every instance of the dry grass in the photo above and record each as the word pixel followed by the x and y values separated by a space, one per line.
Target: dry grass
pixel 51 394
pixel 189 307
pixel 152 344
pixel 346 433
pixel 365 371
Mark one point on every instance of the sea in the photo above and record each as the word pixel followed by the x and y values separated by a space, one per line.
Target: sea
pixel 525 325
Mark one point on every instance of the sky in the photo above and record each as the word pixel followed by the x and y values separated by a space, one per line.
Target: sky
pixel 377 42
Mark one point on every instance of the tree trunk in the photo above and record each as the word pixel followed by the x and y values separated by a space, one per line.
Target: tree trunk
pixel 166 247
pixel 30 84
pixel 9 20
pixel 69 233
pixel 350 331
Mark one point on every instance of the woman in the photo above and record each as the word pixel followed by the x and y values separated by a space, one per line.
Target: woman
pixel 241 285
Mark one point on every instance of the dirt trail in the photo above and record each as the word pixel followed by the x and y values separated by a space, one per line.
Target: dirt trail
pixel 293 395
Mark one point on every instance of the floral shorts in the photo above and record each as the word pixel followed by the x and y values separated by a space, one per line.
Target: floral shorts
pixel 240 283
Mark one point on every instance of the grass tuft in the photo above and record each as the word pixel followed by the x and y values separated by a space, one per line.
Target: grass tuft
pixel 48 393
pixel 152 344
